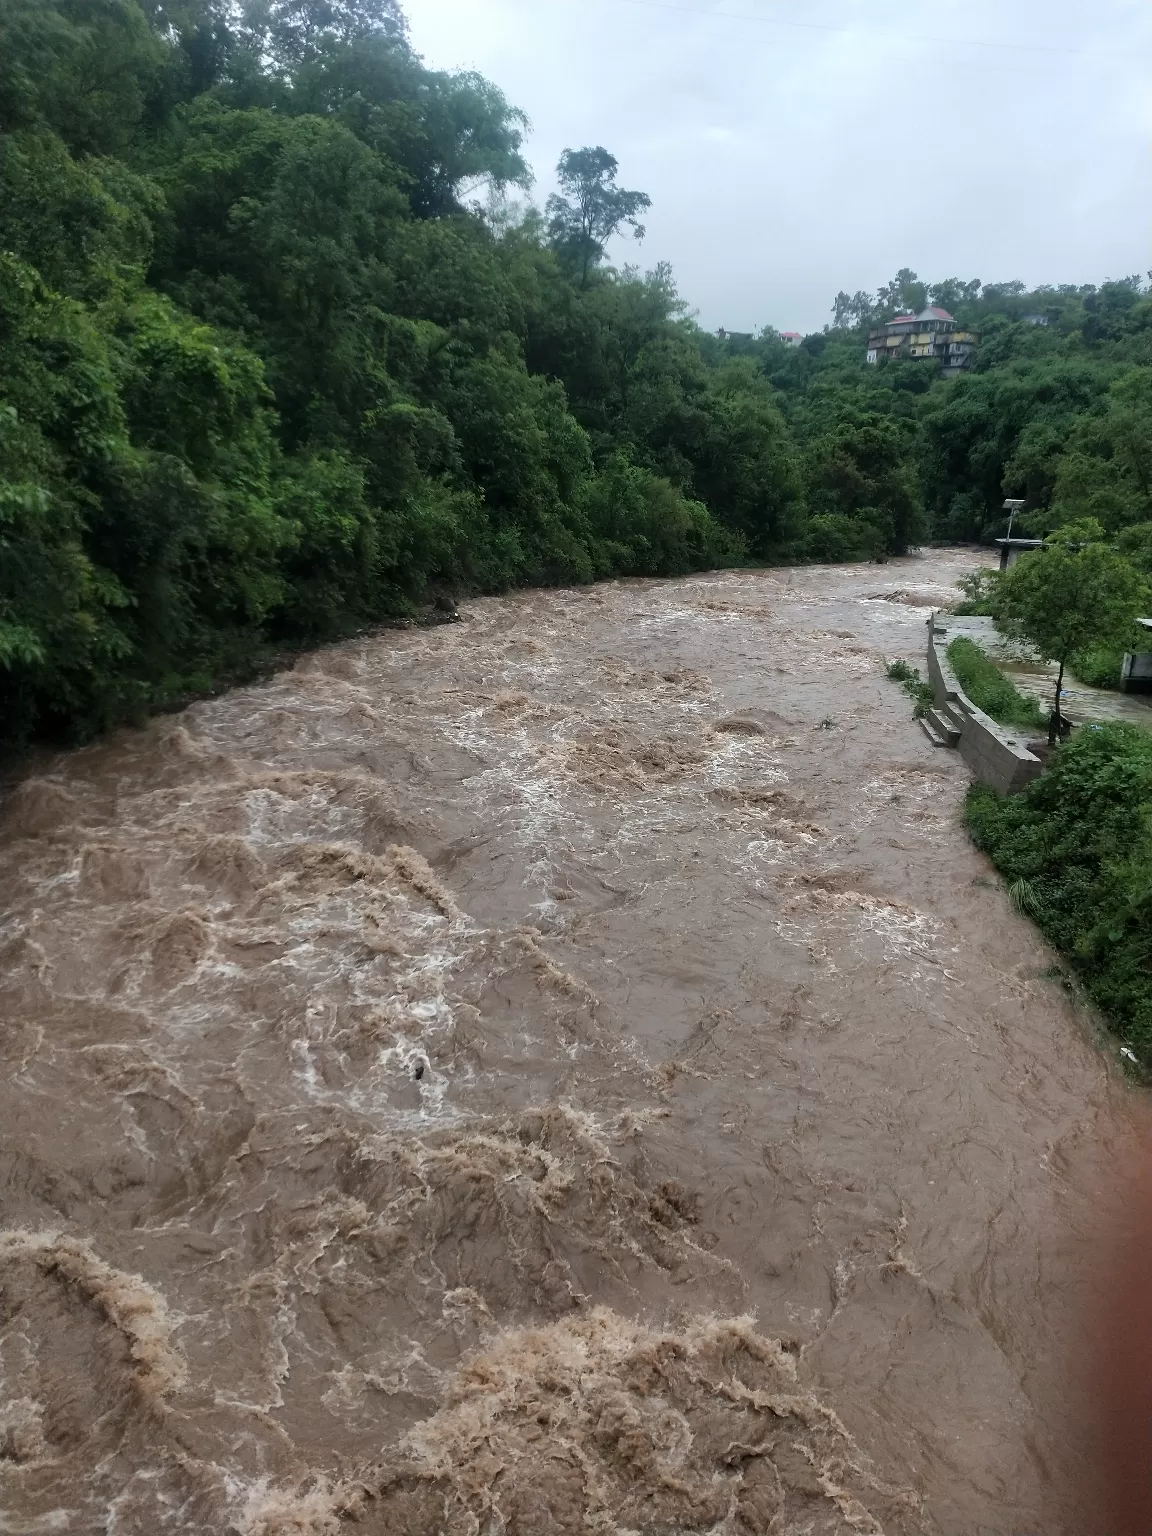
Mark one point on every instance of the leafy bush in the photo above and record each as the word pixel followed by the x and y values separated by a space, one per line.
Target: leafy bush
pixel 914 685
pixel 990 690
pixel 1076 847
pixel 642 525
pixel 1098 666
pixel 833 538
pixel 979 589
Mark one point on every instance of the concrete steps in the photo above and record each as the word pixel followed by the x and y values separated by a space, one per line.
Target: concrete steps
pixel 945 724
pixel 941 725
pixel 994 756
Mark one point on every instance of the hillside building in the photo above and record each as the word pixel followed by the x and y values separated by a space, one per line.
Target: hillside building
pixel 791 338
pixel 932 333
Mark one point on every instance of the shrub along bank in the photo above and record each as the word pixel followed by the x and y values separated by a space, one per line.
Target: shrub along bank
pixel 1100 666
pixel 1076 849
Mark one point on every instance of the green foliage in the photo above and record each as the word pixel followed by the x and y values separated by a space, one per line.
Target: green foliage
pixel 85 68
pixel 590 208
pixel 1077 846
pixel 833 538
pixel 60 429
pixel 988 688
pixel 1024 898
pixel 1098 665
pixel 84 225
pixel 1105 471
pixel 1073 593
pixel 264 376
pixel 641 523
pixel 1136 545
pixel 918 690
pixel 979 588
pixel 862 470
pixel 1001 431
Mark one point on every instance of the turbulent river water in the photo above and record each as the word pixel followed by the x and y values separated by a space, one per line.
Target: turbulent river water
pixel 563 1072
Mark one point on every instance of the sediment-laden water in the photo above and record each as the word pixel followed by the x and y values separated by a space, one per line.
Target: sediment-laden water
pixel 562 1072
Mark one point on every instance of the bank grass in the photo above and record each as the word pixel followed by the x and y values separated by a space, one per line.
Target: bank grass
pixel 914 685
pixel 1075 850
pixel 988 688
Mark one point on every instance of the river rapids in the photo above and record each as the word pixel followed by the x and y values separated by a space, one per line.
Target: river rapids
pixel 563 1072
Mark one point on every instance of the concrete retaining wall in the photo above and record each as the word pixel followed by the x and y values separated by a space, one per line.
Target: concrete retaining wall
pixel 1136 675
pixel 996 754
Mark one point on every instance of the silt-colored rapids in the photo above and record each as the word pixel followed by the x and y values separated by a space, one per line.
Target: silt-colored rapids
pixel 565 1072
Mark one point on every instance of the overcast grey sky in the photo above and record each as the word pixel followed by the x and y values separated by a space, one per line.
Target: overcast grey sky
pixel 795 147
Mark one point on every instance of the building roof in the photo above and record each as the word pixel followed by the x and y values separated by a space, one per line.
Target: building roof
pixel 792 335
pixel 933 312
pixel 899 318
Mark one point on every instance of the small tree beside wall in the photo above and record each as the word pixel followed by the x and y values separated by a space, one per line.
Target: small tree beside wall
pixel 1073 593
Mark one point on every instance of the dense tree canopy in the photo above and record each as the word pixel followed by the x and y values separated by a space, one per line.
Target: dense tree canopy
pixel 279 359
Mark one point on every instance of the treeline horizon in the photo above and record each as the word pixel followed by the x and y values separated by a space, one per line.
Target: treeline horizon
pixel 971 301
pixel 277 363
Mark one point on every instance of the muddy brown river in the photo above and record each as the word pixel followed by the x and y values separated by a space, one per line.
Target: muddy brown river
pixel 563 1072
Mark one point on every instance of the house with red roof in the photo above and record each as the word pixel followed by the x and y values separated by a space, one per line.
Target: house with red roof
pixel 791 338
pixel 933 333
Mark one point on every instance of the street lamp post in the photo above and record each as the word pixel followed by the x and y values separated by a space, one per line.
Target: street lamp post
pixel 1012 507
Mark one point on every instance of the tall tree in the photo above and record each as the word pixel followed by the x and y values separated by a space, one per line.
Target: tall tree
pixel 953 292
pixel 202 34
pixel 904 292
pixel 852 309
pixel 291 32
pixel 591 208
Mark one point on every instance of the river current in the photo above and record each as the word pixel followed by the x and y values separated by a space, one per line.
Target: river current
pixel 562 1072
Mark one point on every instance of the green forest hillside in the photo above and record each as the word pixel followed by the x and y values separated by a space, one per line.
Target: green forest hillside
pixel 277 362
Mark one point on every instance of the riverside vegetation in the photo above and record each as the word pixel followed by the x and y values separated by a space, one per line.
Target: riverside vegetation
pixel 1076 846
pixel 282 357
pixel 1076 850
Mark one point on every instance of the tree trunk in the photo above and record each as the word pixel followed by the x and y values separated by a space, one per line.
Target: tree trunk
pixel 1054 721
